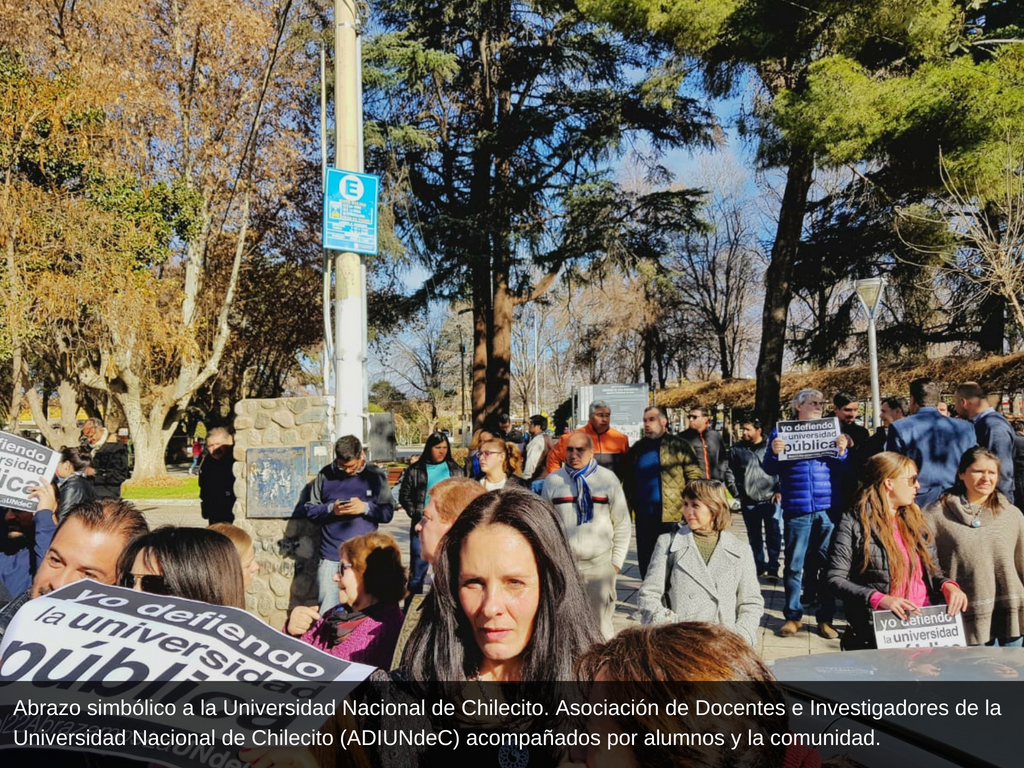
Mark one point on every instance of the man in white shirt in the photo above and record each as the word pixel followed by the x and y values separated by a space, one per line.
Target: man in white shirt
pixel 592 506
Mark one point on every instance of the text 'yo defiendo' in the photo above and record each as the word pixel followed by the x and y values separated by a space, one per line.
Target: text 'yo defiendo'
pixel 89 643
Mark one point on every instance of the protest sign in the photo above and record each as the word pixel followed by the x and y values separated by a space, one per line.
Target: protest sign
pixel 931 628
pixel 22 463
pixel 183 683
pixel 808 439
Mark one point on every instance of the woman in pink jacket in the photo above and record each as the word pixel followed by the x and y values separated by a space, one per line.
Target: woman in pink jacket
pixel 364 627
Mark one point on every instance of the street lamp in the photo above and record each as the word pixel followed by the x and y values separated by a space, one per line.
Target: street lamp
pixel 870 291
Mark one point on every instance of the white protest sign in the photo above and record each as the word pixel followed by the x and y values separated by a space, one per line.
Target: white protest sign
pixel 22 463
pixel 931 628
pixel 183 683
pixel 808 439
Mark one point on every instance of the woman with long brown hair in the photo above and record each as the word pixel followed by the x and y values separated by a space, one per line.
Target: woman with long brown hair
pixel 883 553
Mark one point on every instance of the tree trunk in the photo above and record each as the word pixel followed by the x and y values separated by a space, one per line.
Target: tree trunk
pixel 724 361
pixel 481 319
pixel 778 285
pixel 67 433
pixel 150 434
pixel 499 367
pixel 993 324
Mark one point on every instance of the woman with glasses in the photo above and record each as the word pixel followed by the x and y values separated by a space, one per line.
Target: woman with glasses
pixel 883 554
pixel 500 464
pixel 364 627
pixel 480 437
pixel 435 464
pixel 701 572
pixel 979 536
pixel 193 563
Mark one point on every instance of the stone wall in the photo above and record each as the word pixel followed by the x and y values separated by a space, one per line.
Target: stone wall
pixel 286 549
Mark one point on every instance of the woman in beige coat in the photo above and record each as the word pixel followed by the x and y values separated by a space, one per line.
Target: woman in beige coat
pixel 701 572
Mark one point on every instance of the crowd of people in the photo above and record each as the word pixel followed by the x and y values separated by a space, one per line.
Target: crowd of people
pixel 513 564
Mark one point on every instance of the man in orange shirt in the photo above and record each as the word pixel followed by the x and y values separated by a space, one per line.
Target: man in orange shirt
pixel 610 445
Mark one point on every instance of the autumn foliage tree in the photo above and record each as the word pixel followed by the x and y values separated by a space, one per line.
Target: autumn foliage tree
pixel 141 247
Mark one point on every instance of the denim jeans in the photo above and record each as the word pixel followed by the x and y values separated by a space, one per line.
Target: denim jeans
pixel 417 565
pixel 327 588
pixel 1007 642
pixel 769 515
pixel 807 539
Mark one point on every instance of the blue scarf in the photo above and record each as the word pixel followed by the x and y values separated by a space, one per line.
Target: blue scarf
pixel 581 491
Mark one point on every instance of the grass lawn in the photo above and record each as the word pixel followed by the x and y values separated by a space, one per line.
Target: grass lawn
pixel 176 488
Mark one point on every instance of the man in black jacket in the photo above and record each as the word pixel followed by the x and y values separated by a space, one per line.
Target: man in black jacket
pixel 109 464
pixel 217 477
pixel 708 444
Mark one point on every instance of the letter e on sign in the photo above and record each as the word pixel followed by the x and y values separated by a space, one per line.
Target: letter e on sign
pixel 351 188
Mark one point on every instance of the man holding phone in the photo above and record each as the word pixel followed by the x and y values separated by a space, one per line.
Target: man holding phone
pixel 349 497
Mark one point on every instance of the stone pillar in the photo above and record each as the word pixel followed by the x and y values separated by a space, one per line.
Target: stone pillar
pixel 286 548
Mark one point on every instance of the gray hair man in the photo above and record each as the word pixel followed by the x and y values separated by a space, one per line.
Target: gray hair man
pixel 807 487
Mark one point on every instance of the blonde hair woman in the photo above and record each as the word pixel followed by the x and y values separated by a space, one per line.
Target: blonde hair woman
pixel 701 572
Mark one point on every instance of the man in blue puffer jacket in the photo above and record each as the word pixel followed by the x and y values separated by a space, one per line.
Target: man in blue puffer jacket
pixel 806 487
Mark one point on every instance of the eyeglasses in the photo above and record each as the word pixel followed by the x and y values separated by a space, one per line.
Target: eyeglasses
pixel 572 449
pixel 151 583
pixel 492 453
pixel 911 480
pixel 342 567
pixel 693 415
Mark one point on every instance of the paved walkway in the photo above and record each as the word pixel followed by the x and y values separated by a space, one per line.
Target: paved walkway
pixel 770 645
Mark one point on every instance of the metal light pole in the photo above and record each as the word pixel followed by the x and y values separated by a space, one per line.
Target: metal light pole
pixel 349 272
pixel 536 364
pixel 870 291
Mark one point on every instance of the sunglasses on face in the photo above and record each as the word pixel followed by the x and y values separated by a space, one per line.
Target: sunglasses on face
pixel 151 583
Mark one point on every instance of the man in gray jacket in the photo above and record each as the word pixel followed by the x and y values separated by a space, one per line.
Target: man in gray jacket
pixel 758 494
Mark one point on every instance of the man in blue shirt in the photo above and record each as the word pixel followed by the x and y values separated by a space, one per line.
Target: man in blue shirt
pixel 349 498
pixel 991 429
pixel 933 441
pixel 26 537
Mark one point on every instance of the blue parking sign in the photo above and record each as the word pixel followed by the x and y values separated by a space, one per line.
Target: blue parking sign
pixel 350 212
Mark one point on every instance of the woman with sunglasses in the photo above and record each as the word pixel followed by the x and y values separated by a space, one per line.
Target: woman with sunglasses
pixel 979 536
pixel 193 563
pixel 435 464
pixel 883 554
pixel 500 464
pixel 364 627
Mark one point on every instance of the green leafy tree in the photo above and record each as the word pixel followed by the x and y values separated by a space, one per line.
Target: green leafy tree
pixel 494 123
pixel 837 83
